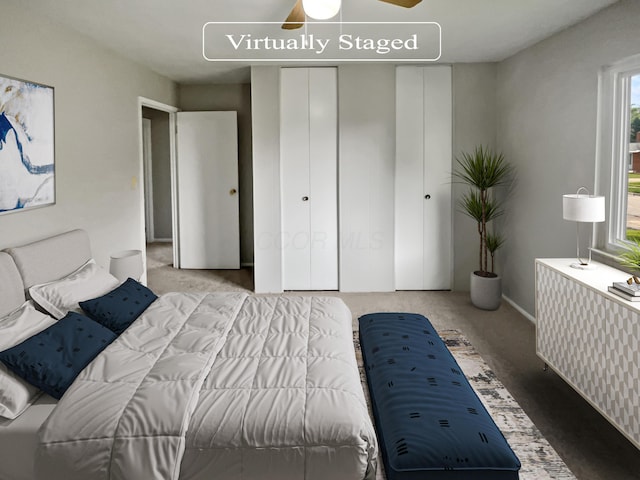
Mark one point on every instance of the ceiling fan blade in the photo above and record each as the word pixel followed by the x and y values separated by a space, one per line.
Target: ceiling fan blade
pixel 296 17
pixel 403 3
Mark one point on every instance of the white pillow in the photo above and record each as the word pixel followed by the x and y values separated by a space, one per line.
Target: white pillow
pixel 61 296
pixel 16 394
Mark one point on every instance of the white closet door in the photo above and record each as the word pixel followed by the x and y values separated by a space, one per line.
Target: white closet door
pixel 423 178
pixel 208 211
pixel 308 146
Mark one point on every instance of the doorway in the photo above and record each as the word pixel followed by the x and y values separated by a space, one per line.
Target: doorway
pixel 193 211
pixel 158 163
pixel 157 175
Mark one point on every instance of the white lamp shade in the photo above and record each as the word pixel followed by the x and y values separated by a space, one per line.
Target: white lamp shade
pixel 321 9
pixel 583 208
pixel 126 264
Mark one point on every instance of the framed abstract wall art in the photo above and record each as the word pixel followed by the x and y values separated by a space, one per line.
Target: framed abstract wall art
pixel 27 163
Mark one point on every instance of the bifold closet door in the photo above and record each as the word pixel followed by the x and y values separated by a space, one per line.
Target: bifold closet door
pixel 423 178
pixel 308 161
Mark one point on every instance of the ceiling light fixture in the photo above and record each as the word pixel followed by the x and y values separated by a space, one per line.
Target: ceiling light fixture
pixel 321 9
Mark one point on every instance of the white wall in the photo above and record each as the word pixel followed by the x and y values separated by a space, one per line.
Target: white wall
pixel 546 102
pixel 367 142
pixel 98 184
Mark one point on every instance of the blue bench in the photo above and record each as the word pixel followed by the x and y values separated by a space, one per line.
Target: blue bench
pixel 431 425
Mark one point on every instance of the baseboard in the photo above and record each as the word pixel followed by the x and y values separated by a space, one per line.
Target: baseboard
pixel 521 310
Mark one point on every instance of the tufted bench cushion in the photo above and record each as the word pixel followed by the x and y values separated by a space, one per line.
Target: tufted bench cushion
pixel 431 425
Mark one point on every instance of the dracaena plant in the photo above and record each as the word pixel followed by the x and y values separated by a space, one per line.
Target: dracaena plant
pixel 483 170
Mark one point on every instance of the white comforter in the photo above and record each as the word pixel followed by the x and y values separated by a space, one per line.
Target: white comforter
pixel 218 386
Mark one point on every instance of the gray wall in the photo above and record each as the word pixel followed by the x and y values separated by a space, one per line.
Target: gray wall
pixel 546 103
pixel 161 173
pixel 474 123
pixel 230 98
pixel 98 169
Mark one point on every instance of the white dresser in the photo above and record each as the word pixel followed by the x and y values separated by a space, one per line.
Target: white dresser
pixel 591 338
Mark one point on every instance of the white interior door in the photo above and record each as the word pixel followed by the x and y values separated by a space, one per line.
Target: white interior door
pixel 207 193
pixel 308 149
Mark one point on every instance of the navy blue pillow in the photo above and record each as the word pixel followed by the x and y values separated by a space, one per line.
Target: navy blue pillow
pixel 119 308
pixel 53 358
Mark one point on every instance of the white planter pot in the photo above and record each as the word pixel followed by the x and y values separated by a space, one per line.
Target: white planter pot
pixel 486 292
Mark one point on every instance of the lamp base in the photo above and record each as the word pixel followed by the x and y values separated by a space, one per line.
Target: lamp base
pixel 583 266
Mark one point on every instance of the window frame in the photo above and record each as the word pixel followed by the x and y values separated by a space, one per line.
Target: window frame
pixel 612 150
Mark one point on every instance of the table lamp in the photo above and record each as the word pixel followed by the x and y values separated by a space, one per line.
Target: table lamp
pixel 126 264
pixel 582 207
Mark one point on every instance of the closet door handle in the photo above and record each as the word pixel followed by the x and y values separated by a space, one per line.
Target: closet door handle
pixel 427 196
pixel 305 199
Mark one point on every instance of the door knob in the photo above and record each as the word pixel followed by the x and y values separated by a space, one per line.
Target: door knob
pixel 427 196
pixel 305 199
pixel 233 191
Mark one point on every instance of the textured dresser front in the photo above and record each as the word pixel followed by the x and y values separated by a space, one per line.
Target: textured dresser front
pixel 591 338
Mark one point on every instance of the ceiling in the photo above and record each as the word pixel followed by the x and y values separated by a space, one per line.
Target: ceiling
pixel 166 35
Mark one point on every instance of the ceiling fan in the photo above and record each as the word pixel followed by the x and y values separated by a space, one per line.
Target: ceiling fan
pixel 322 10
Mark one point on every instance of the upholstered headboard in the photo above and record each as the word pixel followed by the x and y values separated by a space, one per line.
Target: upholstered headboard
pixel 11 286
pixel 52 258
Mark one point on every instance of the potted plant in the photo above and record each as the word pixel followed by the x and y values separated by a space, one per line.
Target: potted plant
pixel 482 171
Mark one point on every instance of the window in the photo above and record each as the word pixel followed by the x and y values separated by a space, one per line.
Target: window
pixel 618 156
pixel 633 185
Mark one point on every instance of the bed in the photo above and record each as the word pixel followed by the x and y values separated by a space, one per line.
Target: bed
pixel 199 385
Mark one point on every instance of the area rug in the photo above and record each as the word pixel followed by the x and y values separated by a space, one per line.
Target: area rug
pixel 539 460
